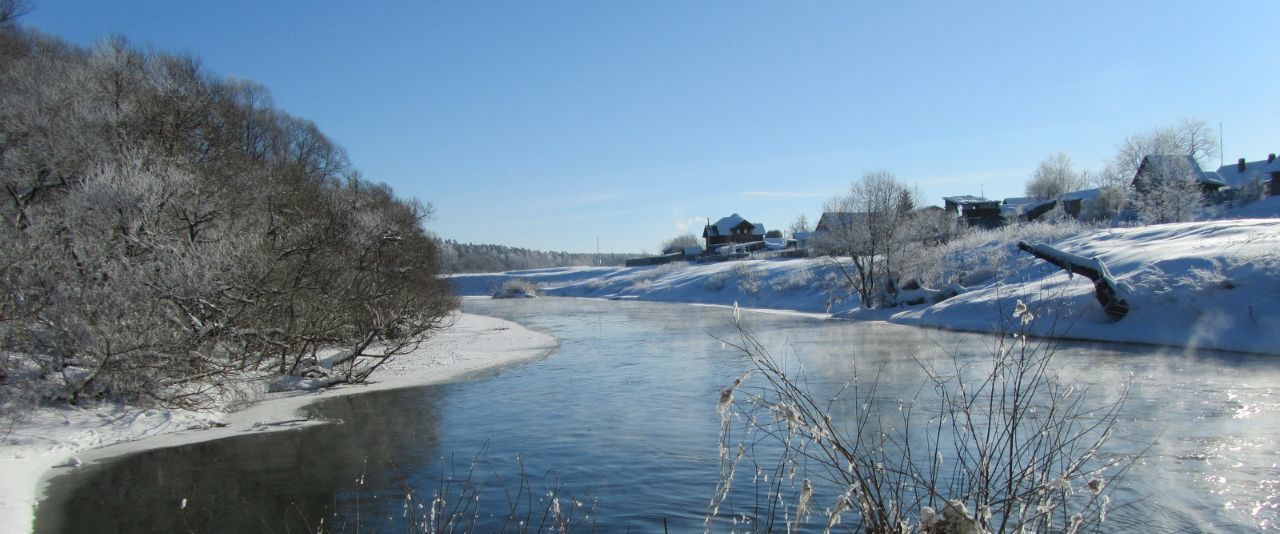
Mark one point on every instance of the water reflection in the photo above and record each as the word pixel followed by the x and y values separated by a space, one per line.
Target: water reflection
pixel 625 414
pixel 267 482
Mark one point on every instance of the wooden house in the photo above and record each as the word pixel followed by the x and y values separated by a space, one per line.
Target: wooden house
pixel 732 230
pixel 975 211
pixel 1162 167
pixel 1243 174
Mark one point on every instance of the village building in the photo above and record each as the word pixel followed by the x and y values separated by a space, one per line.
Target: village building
pixel 975 211
pixel 1026 209
pixel 1163 167
pixel 838 221
pixel 733 230
pixel 1262 173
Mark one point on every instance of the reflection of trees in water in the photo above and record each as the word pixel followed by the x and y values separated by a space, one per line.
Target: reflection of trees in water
pixel 270 482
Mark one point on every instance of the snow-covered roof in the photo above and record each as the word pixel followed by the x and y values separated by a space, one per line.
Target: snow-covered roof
pixel 968 200
pixel 839 220
pixel 1083 194
pixel 1030 208
pixel 1260 170
pixel 1172 160
pixel 1022 201
pixel 726 225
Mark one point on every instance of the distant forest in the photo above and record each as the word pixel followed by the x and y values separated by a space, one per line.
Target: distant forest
pixel 458 257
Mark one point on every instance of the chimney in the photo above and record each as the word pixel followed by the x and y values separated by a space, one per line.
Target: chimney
pixel 1270 158
pixel 1240 165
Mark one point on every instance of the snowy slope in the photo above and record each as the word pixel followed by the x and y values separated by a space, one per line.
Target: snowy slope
pixel 1213 284
pixel 1209 285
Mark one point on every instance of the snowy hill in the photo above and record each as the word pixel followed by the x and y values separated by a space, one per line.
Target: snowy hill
pixel 1213 284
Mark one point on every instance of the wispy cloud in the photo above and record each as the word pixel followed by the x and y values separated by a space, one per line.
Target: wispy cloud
pixel 690 224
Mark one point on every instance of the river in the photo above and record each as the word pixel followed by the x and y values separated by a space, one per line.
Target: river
pixel 621 424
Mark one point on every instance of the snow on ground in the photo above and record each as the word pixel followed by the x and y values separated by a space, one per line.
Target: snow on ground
pixel 1209 285
pixel 806 285
pixel 52 440
pixel 1213 284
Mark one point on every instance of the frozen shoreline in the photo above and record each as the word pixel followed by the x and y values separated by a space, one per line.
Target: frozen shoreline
pixel 40 447
pixel 1202 285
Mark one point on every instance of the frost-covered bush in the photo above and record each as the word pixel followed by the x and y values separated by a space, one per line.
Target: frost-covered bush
pixel 794 279
pixel 167 231
pixel 596 284
pixel 517 288
pixel 716 281
pixel 748 278
pixel 654 273
pixel 995 444
pixel 983 256
pixel 672 267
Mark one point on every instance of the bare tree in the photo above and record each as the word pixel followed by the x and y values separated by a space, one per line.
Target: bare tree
pixel 1191 137
pixel 11 10
pixel 800 226
pixel 874 234
pixel 1113 195
pixel 1054 177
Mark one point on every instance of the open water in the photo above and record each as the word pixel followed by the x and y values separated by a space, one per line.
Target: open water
pixel 620 423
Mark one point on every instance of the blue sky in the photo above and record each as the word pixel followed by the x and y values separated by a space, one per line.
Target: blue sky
pixel 552 125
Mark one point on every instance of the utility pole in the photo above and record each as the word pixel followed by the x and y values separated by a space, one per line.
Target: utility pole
pixel 1221 149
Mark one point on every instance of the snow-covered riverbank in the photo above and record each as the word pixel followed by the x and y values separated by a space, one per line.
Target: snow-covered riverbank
pixel 52 440
pixel 1212 284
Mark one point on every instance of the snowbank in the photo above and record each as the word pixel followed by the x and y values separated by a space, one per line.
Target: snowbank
pixel 1213 284
pixel 54 439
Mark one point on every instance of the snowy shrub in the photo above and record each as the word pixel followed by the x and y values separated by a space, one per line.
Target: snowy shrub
pixel 654 273
pixel 716 281
pixel 835 286
pixel 748 278
pixel 794 279
pixel 517 288
pixel 596 284
pixel 983 256
pixel 673 267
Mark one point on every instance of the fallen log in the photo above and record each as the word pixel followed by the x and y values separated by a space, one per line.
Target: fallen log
pixel 1105 287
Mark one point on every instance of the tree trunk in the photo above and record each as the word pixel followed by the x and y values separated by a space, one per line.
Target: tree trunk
pixel 1104 286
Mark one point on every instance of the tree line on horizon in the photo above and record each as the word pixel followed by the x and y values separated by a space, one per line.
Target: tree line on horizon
pixel 167 230
pixel 458 257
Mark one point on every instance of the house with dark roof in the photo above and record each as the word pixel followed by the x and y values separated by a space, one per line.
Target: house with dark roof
pixel 839 221
pixel 1026 208
pixel 732 230
pixel 974 211
pixel 1162 167
pixel 1245 174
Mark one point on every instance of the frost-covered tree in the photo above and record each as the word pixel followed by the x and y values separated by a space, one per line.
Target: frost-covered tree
pixel 1114 191
pixel 1168 191
pixel 164 230
pixel 1055 176
pixel 679 243
pixel 1191 137
pixel 800 226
